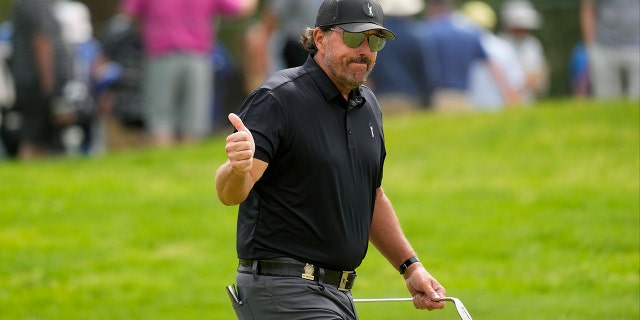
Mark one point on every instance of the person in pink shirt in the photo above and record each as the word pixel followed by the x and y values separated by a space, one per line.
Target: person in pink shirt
pixel 178 78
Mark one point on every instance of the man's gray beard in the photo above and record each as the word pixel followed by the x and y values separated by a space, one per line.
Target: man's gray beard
pixel 344 80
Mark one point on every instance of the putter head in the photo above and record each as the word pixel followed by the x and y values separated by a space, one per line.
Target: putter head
pixel 462 311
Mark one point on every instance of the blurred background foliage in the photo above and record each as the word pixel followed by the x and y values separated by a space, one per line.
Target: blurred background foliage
pixel 559 33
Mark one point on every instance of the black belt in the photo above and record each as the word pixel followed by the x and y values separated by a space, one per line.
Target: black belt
pixel 342 279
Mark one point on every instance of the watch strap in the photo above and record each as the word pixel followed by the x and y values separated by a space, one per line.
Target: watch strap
pixel 403 267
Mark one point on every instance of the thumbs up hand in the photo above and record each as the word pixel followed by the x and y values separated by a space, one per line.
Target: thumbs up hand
pixel 240 146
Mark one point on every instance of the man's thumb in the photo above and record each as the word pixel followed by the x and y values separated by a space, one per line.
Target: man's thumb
pixel 237 122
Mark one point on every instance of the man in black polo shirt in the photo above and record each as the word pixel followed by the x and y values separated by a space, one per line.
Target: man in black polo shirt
pixel 305 164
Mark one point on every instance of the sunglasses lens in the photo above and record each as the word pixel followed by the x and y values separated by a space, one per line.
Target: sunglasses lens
pixel 352 39
pixel 376 43
pixel 355 39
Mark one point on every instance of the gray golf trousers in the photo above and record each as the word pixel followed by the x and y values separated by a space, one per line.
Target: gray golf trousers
pixel 291 298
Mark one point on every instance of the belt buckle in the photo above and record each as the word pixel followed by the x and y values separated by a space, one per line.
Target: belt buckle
pixel 343 280
pixel 308 272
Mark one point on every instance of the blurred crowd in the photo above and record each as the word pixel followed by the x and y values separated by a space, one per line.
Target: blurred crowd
pixel 155 75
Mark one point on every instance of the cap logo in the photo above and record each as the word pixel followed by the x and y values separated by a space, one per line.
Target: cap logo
pixel 368 10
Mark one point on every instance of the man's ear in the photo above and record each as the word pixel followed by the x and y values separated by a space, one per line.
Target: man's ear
pixel 318 38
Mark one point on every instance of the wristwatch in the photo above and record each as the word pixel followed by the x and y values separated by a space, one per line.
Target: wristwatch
pixel 403 267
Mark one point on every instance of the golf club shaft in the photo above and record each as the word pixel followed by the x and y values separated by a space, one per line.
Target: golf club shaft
pixel 462 311
pixel 383 300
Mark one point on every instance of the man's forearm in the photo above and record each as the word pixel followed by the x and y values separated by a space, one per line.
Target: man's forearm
pixel 587 21
pixel 232 188
pixel 43 51
pixel 510 95
pixel 386 234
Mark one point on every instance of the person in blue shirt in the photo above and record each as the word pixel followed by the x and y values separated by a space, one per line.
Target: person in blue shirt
pixel 579 72
pixel 452 45
pixel 401 81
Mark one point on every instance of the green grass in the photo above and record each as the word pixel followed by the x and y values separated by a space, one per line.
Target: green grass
pixel 524 214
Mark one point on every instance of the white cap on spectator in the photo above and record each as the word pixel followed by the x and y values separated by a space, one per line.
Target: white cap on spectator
pixel 75 19
pixel 401 8
pixel 520 14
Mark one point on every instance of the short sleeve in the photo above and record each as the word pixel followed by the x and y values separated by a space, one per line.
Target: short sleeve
pixel 263 116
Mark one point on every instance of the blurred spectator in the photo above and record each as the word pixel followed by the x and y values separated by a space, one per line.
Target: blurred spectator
pixel 579 78
pixel 273 42
pixel 611 34
pixel 178 37
pixel 484 89
pixel 256 58
pixel 401 82
pixel 452 45
pixel 40 69
pixel 7 87
pixel 122 44
pixel 92 73
pixel 519 20
pixel 286 20
pixel 228 91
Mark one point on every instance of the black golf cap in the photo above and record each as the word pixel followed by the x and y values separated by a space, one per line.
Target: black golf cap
pixel 353 16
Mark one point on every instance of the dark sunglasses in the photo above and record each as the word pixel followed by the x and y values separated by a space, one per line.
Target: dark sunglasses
pixel 355 39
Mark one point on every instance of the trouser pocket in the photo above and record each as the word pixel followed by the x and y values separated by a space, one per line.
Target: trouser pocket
pixel 242 311
pixel 240 308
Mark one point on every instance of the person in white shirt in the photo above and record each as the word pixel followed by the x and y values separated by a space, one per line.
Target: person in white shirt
pixel 484 91
pixel 519 19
